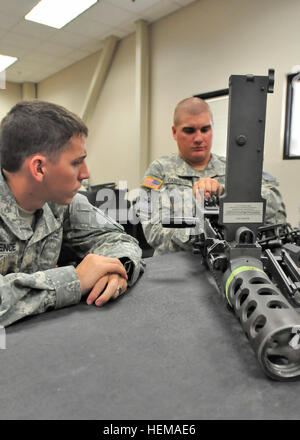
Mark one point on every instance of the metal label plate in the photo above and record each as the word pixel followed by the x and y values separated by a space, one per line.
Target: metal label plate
pixel 243 212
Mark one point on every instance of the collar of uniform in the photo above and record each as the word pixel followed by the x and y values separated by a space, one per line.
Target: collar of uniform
pixel 183 169
pixel 9 213
pixel 46 223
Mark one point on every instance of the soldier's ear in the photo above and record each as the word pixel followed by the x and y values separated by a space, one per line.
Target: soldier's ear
pixel 37 167
pixel 174 132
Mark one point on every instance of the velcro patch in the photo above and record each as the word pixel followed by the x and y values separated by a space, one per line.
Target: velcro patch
pixel 152 182
pixel 7 248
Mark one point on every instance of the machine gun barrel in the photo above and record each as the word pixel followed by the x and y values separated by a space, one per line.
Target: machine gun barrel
pixel 269 321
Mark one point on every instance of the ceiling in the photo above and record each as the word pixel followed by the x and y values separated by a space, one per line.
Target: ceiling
pixel 43 51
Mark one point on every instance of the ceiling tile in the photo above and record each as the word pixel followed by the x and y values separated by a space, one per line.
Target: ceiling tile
pixel 118 32
pixel 18 7
pixel 77 55
pixel 12 50
pixel 72 39
pixel 134 7
pixel 54 49
pixel 129 27
pixel 39 57
pixel 91 48
pixel 184 2
pixel 60 65
pixel 35 77
pixel 7 21
pixel 34 30
pixel 161 9
pixel 108 14
pixel 21 41
pixel 18 77
pixel 21 65
pixel 88 28
pixel 20 72
pixel 2 32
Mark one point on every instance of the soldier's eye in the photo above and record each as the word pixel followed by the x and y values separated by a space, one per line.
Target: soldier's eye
pixel 78 162
pixel 188 130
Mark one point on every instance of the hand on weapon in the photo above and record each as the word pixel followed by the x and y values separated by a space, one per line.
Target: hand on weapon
pixel 208 186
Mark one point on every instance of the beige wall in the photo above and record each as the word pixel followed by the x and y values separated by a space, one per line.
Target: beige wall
pixel 9 97
pixel 193 50
pixel 69 86
pixel 113 154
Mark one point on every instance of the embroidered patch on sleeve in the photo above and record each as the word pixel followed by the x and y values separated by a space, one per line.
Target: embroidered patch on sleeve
pixel 151 182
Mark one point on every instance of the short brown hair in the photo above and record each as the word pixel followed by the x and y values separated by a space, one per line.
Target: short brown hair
pixel 193 106
pixel 36 127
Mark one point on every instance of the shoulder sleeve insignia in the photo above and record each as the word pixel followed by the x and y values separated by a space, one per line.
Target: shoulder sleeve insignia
pixel 152 182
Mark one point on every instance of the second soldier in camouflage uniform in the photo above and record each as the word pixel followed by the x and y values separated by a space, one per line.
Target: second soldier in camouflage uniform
pixel 170 182
pixel 41 217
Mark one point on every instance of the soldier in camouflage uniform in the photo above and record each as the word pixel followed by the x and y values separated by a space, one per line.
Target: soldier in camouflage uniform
pixel 171 182
pixel 42 218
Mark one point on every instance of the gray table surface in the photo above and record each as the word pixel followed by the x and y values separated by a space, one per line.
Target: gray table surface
pixel 167 350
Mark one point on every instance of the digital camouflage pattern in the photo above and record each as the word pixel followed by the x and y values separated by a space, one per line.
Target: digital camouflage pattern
pixel 30 282
pixel 175 197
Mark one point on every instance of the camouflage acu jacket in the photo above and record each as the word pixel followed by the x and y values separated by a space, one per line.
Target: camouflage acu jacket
pixel 30 282
pixel 175 196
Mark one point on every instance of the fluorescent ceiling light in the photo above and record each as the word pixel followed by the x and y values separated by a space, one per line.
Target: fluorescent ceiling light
pixel 57 13
pixel 6 61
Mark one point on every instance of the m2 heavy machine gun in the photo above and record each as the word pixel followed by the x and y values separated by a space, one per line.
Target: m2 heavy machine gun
pixel 260 280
